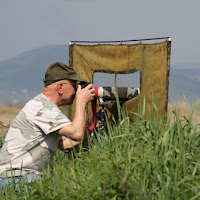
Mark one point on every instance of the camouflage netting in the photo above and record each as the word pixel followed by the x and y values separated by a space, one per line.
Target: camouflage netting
pixel 153 61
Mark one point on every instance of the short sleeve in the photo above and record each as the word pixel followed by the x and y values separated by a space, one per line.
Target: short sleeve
pixel 50 120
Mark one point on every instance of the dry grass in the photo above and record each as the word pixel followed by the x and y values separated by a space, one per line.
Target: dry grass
pixel 7 115
pixel 185 110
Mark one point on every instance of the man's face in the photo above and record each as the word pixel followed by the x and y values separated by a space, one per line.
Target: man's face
pixel 69 91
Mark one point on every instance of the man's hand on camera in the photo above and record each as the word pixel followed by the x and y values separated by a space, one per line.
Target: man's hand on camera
pixel 86 94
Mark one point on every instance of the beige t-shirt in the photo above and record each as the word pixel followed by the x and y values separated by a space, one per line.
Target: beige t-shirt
pixel 31 140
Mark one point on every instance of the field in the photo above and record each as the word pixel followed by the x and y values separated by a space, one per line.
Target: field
pixel 8 113
pixel 145 159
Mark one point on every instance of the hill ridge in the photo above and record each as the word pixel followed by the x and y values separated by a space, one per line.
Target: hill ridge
pixel 21 77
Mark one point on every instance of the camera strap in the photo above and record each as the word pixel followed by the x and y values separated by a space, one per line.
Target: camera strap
pixel 94 108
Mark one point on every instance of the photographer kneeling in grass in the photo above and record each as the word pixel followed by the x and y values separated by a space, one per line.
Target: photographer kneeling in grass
pixel 41 127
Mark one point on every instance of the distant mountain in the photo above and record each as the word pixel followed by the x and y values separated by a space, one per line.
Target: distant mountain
pixel 21 77
pixel 184 83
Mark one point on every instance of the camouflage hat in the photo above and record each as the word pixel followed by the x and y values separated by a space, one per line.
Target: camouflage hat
pixel 60 71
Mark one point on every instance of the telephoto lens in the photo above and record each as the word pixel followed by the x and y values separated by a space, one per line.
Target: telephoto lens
pixel 109 93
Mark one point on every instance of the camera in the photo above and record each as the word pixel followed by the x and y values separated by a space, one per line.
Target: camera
pixel 84 84
pixel 104 94
pixel 109 93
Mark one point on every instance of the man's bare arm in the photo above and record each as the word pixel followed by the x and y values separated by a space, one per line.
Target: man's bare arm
pixel 76 130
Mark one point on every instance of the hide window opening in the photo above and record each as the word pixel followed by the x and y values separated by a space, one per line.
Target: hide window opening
pixel 102 79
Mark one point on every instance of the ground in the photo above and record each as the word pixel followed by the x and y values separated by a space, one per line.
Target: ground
pixel 8 113
pixel 184 110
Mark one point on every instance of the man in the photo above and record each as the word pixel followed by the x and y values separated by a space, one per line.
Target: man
pixel 33 137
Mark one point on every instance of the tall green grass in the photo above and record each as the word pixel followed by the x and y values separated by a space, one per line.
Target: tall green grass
pixel 145 159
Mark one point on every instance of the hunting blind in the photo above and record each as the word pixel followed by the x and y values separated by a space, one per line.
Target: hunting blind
pixel 151 57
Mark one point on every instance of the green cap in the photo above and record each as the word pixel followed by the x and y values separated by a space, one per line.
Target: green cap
pixel 60 71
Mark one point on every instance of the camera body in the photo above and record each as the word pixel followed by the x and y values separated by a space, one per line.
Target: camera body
pixel 84 84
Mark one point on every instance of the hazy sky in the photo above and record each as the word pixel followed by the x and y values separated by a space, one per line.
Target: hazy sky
pixel 29 24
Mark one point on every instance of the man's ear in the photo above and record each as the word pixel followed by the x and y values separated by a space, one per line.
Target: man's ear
pixel 59 88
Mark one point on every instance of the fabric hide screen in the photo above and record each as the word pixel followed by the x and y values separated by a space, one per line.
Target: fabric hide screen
pixel 153 61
